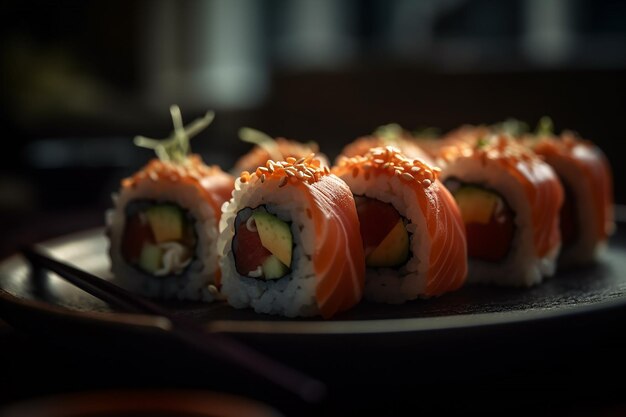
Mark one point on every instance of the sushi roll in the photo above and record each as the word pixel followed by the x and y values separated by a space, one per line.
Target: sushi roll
pixel 387 135
pixel 433 145
pixel 277 149
pixel 510 201
pixel 289 241
pixel 163 227
pixel 413 235
pixel 587 217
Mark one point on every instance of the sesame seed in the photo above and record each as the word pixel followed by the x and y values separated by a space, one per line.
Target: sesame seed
pixel 262 178
pixel 408 177
pixel 290 159
pixel 379 161
pixel 426 183
pixel 290 171
pixel 283 181
pixel 299 161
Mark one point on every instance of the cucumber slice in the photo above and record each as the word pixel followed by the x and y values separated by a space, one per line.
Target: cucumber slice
pixel 150 259
pixel 273 268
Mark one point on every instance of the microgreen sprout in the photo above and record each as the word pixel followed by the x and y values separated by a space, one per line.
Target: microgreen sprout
pixel 175 148
pixel 263 140
pixel 545 127
pixel 389 133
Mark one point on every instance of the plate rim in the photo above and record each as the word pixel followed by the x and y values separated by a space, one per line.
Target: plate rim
pixel 297 326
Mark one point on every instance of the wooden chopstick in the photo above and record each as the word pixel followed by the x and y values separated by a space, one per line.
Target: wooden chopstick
pixel 218 345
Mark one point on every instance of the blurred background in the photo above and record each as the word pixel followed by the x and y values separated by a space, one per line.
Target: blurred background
pixel 81 79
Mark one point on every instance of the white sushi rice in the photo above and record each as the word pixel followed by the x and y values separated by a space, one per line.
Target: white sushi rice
pixel 292 295
pixel 196 282
pixel 407 282
pixel 521 267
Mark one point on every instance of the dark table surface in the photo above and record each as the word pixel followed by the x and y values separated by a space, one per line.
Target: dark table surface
pixel 34 369
pixel 567 369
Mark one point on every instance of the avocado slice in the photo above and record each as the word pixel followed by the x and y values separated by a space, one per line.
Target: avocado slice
pixel 393 250
pixel 275 235
pixel 150 258
pixel 477 205
pixel 166 221
pixel 273 268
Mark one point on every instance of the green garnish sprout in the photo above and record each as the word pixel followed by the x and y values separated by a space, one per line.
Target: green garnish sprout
pixel 545 127
pixel 481 143
pixel 175 148
pixel 427 133
pixel 262 140
pixel 513 127
pixel 389 133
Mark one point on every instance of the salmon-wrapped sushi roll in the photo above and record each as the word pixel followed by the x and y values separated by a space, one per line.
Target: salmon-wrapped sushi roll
pixel 290 242
pixel 462 134
pixel 163 227
pixel 388 135
pixel 587 217
pixel 510 201
pixel 277 149
pixel 413 235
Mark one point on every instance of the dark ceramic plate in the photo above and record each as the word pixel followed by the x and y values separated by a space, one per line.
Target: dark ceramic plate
pixel 476 331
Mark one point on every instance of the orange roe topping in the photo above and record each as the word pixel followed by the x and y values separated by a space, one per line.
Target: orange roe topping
pixel 556 145
pixel 284 148
pixel 158 170
pixel 391 161
pixel 501 148
pixel 290 171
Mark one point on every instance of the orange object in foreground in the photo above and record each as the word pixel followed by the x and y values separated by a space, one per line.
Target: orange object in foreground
pixel 326 274
pixel 486 174
pixel 183 202
pixel 438 259
pixel 588 211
